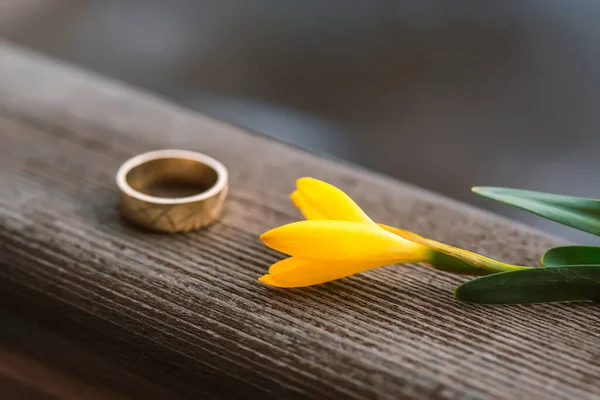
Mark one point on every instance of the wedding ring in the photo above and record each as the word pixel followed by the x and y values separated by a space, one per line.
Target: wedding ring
pixel 172 190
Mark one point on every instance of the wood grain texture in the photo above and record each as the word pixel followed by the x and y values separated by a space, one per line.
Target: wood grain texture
pixel 187 312
pixel 40 354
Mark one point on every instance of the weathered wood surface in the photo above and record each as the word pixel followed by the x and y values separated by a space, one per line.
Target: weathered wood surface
pixel 186 314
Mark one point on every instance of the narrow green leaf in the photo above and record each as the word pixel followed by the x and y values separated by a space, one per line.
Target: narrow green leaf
pixel 572 255
pixel 535 285
pixel 577 212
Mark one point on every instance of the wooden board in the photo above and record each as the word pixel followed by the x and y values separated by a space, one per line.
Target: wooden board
pixel 186 314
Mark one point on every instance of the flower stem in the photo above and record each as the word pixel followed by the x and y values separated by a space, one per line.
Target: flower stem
pixel 469 264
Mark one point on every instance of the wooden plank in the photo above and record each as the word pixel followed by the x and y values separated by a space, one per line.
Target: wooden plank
pixel 191 305
pixel 38 354
pixel 17 368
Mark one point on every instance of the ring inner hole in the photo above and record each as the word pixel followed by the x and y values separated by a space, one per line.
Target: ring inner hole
pixel 172 178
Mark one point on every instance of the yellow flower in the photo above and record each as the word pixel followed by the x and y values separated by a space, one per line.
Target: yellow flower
pixel 323 251
pixel 339 239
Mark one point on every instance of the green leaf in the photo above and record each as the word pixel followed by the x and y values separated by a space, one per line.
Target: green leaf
pixel 577 212
pixel 535 285
pixel 572 255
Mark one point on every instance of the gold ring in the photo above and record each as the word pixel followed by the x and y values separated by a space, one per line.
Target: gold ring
pixel 172 190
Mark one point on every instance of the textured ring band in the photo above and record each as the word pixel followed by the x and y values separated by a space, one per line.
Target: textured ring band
pixel 172 190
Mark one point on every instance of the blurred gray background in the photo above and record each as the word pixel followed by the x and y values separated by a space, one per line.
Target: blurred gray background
pixel 442 94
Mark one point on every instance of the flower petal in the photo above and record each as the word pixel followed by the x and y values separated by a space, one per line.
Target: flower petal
pixel 327 201
pixel 341 240
pixel 306 209
pixel 299 272
pixel 268 280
